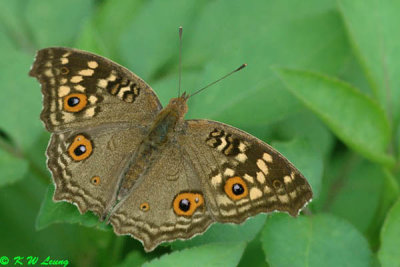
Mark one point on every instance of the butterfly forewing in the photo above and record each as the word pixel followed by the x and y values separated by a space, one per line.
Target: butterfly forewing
pixel 83 90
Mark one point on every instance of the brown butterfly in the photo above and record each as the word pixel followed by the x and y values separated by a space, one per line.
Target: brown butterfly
pixel 157 177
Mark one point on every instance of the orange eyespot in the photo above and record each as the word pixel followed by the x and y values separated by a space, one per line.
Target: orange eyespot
pixel 236 188
pixel 75 102
pixel 144 206
pixel 95 180
pixel 277 184
pixel 64 70
pixel 80 149
pixel 186 203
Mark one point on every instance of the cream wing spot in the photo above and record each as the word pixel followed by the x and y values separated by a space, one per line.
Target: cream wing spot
pixel 260 177
pixel 53 119
pixel 267 190
pixel 293 194
pixel 287 179
pixel 86 72
pixel 76 79
pixel 262 166
pixel 64 60
pixel 241 157
pixel 229 172
pixel 222 145
pixel 267 157
pixel 272 199
pixel 92 99
pixel 52 107
pixel 89 112
pixel 67 117
pixel 112 77
pixel 63 90
pixel 230 212
pixel 248 178
pixel 216 180
pixel 223 200
pixel 122 91
pixel 48 73
pixel 66 54
pixel 93 64
pixel 255 193
pixel 79 88
pixel 242 147
pixel 102 83
pixel 284 199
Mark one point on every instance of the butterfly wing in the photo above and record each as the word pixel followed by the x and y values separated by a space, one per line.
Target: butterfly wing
pixel 82 90
pixel 240 174
pixel 152 212
pixel 88 176
pixel 98 112
pixel 191 185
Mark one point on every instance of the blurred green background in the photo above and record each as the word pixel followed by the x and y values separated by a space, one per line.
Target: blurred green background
pixel 322 86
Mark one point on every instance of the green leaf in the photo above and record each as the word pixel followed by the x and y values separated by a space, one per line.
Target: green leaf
pixel 307 160
pixel 141 50
pixel 356 119
pixel 265 33
pixel 105 22
pixel 20 98
pixel 390 238
pixel 226 233
pixel 217 254
pixel 62 212
pixel 320 240
pixel 253 255
pixel 135 258
pixel 12 168
pixel 372 28
pixel 12 23
pixel 57 22
pixel 307 126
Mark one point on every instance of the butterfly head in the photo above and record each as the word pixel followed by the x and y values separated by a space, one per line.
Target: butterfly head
pixel 179 105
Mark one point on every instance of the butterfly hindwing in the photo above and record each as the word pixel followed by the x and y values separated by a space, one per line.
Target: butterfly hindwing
pixel 85 165
pixel 167 203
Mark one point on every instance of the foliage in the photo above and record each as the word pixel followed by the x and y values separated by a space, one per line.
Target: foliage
pixel 322 86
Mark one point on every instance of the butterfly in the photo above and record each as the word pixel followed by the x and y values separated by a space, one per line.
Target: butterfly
pixel 115 151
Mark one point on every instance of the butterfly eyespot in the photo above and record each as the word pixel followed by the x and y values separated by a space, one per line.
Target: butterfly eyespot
pixel 144 206
pixel 75 102
pixel 95 180
pixel 64 70
pixel 80 148
pixel 277 184
pixel 236 188
pixel 187 203
pixel 184 205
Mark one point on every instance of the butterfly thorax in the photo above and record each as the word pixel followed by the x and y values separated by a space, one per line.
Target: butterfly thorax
pixel 167 121
pixel 161 133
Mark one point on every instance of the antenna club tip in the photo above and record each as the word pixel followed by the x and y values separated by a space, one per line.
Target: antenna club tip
pixel 241 67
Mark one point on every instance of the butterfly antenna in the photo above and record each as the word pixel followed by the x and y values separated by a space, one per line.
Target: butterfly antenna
pixel 180 60
pixel 223 77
